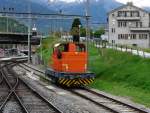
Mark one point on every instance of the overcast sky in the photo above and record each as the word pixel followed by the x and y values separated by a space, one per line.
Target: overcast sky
pixel 140 3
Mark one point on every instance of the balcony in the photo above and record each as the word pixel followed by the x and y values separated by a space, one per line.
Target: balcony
pixel 128 18
pixel 144 29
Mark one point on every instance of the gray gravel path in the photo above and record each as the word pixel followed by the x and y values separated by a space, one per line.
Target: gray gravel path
pixel 64 100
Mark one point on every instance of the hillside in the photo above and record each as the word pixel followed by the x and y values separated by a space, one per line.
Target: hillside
pixel 22 6
pixel 99 9
pixel 121 74
pixel 36 7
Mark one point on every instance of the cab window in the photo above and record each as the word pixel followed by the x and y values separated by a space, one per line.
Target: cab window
pixel 80 48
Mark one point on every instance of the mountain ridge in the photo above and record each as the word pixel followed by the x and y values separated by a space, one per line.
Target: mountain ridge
pixel 98 9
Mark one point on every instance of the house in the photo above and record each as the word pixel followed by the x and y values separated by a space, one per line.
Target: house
pixel 129 25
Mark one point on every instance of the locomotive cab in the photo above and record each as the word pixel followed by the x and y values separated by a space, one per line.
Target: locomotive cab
pixel 69 57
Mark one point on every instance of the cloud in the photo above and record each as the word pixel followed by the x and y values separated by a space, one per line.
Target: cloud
pixel 139 3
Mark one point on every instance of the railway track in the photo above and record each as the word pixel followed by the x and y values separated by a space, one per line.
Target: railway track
pixel 16 94
pixel 100 99
pixel 109 103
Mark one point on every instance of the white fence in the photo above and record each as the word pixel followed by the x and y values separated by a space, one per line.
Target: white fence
pixel 134 51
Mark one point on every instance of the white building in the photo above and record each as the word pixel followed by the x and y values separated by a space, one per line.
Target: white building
pixel 129 25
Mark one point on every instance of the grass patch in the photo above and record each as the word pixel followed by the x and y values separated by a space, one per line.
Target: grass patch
pixel 47 48
pixel 135 48
pixel 121 74
pixel 116 72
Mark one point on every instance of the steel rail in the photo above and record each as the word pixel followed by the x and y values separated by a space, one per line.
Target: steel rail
pixel 12 92
pixel 99 94
pixel 33 68
pixel 42 97
pixel 1 78
pixel 97 103
pixel 39 95
pixel 110 98
pixel 101 105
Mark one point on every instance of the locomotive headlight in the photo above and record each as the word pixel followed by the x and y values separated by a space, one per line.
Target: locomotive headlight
pixel 85 66
pixel 76 53
pixel 66 66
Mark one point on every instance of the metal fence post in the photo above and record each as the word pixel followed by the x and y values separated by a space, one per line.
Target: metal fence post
pixel 121 47
pixel 137 52
pixel 143 54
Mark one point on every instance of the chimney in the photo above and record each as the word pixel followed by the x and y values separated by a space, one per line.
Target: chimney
pixel 130 3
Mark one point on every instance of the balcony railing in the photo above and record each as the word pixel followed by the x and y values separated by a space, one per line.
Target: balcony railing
pixel 140 28
pixel 128 18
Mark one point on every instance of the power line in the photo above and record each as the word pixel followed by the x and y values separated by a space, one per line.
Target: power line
pixel 40 15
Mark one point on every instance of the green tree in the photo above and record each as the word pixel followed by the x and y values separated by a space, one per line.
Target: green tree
pixel 76 23
pixel 99 32
pixel 75 29
pixel 83 32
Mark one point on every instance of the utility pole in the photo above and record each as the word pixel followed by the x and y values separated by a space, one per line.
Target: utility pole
pixel 29 32
pixel 87 30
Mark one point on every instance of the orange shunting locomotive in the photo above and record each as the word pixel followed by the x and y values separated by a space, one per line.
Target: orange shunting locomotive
pixel 69 65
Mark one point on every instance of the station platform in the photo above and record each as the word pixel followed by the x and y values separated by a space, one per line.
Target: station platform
pixel 7 59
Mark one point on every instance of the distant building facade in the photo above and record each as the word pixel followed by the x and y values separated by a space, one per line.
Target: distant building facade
pixel 129 25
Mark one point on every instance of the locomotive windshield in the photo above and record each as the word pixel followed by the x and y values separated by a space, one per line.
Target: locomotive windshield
pixel 80 48
pixel 65 47
pixel 62 47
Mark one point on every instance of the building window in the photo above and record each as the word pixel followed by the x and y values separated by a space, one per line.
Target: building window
pixel 141 24
pixel 113 15
pixel 122 14
pixel 126 36
pixel 143 36
pixel 113 30
pixel 135 14
pixel 119 36
pixel 122 24
pixel 128 14
pixel 133 36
